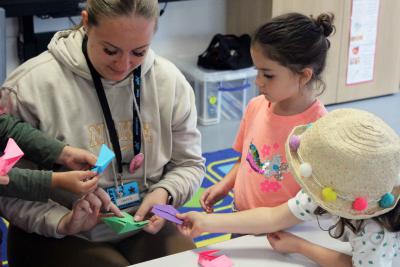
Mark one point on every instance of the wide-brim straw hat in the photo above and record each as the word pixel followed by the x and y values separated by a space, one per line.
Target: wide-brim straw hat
pixel 348 162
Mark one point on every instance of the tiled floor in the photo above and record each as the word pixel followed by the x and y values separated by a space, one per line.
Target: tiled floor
pixel 221 136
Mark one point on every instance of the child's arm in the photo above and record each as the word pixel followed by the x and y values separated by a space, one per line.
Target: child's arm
pixel 325 257
pixel 37 147
pixel 254 221
pixel 218 191
pixel 40 148
pixel 35 185
pixel 78 182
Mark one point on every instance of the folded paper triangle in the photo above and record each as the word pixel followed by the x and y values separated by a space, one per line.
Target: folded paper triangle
pixel 12 153
pixel 105 157
pixel 207 259
pixel 167 212
pixel 124 224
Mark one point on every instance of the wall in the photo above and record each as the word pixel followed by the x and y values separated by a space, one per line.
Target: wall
pixel 185 28
pixel 387 55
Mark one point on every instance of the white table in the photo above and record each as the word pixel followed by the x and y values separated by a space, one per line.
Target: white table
pixel 256 251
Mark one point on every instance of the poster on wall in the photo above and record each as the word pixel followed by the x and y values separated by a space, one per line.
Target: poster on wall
pixel 362 46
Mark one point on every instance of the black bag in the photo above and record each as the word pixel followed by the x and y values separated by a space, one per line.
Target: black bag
pixel 227 52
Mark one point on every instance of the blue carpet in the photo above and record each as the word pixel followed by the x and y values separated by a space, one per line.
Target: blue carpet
pixel 217 165
pixel 3 228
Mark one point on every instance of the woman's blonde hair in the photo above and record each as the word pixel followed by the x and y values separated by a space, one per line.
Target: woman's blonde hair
pixel 98 9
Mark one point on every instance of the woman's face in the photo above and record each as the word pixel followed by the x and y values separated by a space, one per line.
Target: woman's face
pixel 116 46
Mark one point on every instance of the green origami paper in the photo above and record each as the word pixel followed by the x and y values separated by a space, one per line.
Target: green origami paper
pixel 124 224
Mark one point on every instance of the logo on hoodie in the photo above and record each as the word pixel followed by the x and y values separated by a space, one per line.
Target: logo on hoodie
pixel 97 134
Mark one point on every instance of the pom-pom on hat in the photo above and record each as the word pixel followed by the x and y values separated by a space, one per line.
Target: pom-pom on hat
pixel 348 162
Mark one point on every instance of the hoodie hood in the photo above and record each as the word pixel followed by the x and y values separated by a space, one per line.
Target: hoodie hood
pixel 66 47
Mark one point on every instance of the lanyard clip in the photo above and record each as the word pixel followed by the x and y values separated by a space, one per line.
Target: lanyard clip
pixel 119 188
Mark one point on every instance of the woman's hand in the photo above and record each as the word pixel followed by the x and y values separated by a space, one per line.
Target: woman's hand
pixel 158 196
pixel 85 213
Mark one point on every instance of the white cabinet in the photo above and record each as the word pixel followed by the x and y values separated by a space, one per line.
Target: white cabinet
pixel 244 16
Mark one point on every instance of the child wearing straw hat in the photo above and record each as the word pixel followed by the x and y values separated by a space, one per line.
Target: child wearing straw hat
pixel 348 165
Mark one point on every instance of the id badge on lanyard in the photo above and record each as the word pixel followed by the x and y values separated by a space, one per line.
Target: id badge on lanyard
pixel 123 195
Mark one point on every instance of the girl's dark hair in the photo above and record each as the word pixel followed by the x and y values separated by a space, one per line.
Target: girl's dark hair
pixel 390 221
pixel 297 41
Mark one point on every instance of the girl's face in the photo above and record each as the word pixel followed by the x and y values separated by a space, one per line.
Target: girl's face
pixel 276 82
pixel 116 46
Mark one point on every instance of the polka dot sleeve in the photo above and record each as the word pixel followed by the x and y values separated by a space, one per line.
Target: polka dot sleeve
pixel 302 206
pixel 374 246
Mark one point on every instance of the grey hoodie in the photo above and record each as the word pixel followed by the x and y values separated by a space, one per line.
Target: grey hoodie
pixel 55 93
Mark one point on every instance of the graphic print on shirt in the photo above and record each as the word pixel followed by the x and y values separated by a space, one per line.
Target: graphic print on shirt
pixel 98 134
pixel 272 168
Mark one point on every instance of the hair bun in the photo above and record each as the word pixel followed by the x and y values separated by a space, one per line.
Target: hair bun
pixel 325 22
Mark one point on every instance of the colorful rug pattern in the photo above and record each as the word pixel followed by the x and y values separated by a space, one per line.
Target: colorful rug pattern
pixel 3 247
pixel 217 164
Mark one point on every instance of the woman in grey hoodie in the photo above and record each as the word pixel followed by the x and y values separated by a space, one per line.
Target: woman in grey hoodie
pixel 101 83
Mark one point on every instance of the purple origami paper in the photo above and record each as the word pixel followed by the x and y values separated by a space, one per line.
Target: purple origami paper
pixel 167 212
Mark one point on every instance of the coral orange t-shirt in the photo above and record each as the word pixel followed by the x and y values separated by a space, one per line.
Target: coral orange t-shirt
pixel 263 178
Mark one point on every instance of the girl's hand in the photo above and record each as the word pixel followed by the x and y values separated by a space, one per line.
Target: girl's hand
pixel 193 223
pixel 76 158
pixel 85 213
pixel 285 242
pixel 79 182
pixel 158 196
pixel 4 179
pixel 288 243
pixel 212 195
pixel 155 224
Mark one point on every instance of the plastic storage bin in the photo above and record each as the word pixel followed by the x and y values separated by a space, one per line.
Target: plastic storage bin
pixel 219 94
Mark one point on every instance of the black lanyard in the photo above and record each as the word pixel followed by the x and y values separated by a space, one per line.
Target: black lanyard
pixel 136 131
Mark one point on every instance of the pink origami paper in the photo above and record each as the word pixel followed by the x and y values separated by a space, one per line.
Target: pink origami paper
pixel 207 259
pixel 167 212
pixel 12 153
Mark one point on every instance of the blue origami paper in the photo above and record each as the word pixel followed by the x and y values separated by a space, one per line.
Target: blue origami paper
pixel 105 157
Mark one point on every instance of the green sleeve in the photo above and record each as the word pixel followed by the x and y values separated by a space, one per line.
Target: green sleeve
pixel 37 147
pixel 33 185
